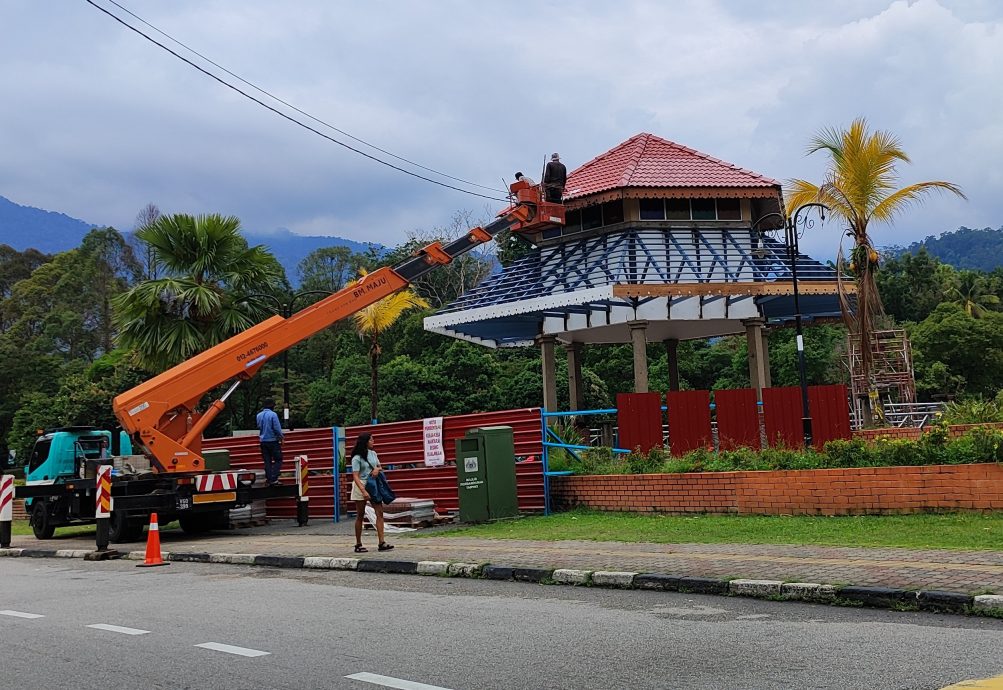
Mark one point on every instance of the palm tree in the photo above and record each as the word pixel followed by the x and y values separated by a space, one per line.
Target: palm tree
pixel 372 321
pixel 971 295
pixel 208 272
pixel 860 186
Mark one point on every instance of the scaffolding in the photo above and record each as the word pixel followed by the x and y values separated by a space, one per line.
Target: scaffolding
pixel 892 379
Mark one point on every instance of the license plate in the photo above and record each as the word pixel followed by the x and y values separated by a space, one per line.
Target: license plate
pixel 218 497
pixel 184 502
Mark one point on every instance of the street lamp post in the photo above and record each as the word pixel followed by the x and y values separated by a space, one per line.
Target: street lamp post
pixel 286 309
pixel 793 253
pixel 791 224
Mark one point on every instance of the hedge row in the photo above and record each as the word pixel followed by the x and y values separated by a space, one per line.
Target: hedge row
pixel 934 448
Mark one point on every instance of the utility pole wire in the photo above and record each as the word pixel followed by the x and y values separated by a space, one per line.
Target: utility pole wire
pixel 289 117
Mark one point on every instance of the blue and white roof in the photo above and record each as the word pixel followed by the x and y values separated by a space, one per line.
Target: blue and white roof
pixel 685 282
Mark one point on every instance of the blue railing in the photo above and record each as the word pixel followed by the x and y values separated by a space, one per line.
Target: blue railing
pixel 547 433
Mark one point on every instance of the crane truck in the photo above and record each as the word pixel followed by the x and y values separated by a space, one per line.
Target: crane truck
pixel 157 458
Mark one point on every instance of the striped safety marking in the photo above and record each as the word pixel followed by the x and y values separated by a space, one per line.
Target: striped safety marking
pixel 391 682
pixel 230 649
pixel 224 481
pixel 303 477
pixel 102 496
pixel 119 629
pixel 20 614
pixel 6 498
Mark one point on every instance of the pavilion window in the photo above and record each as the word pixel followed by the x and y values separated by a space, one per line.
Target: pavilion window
pixel 677 209
pixel 729 209
pixel 652 209
pixel 591 217
pixel 612 212
pixel 703 209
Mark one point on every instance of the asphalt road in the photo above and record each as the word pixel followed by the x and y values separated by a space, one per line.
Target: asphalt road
pixel 266 628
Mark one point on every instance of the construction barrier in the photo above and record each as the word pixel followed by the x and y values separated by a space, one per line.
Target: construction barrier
pixel 6 509
pixel 400 446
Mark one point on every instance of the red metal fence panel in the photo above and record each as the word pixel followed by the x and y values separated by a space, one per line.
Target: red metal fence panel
pixel 830 413
pixel 782 416
pixel 737 418
pixel 689 420
pixel 639 419
pixel 399 445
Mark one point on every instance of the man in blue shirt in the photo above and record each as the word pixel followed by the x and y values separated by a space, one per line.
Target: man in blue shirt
pixel 270 437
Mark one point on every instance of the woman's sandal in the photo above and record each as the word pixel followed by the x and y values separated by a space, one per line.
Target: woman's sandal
pixel 385 546
pixel 359 548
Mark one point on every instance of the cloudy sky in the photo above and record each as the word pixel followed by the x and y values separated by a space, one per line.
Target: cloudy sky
pixel 97 122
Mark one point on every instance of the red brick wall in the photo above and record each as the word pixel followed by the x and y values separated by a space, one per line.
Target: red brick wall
pixel 19 513
pixel 869 490
pixel 913 433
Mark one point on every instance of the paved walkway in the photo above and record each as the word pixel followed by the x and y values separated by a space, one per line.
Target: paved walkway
pixel 969 572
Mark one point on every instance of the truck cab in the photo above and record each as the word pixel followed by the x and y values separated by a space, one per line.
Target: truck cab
pixel 59 456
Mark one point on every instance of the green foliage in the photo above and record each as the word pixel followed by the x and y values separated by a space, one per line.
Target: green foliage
pixel 205 294
pixel 977 249
pixel 982 444
pixel 83 398
pixel 969 349
pixel 972 411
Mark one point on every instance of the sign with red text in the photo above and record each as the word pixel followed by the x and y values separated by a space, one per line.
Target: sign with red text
pixel 435 453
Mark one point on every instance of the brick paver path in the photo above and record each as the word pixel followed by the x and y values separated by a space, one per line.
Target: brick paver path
pixel 957 571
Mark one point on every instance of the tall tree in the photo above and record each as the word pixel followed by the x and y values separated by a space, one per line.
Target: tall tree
pixel 330 268
pixel 972 294
pixel 113 266
pixel 373 321
pixel 860 187
pixel 203 298
pixel 146 217
pixel 16 266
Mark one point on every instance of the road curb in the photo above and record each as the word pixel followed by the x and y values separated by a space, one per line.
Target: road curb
pixel 938 601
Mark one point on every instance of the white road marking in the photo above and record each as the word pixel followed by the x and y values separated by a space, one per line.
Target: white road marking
pixel 389 682
pixel 118 629
pixel 21 614
pixel 230 649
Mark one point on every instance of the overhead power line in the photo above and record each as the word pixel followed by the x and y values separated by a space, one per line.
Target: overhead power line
pixel 287 116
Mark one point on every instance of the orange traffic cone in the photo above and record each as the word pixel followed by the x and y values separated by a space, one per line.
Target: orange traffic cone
pixel 153 556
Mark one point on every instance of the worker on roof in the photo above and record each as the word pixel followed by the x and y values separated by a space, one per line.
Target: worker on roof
pixel 522 178
pixel 555 176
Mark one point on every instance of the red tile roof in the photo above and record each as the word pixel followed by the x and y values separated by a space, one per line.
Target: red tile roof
pixel 645 160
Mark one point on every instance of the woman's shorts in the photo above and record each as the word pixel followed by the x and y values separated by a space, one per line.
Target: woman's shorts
pixel 357 493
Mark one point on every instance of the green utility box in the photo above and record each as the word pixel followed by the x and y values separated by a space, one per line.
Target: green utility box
pixel 216 460
pixel 485 474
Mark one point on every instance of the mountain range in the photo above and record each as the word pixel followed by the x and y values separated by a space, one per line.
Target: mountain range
pixel 24 227
pixel 977 249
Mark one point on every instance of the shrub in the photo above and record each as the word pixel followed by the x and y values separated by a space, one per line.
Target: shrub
pixel 973 411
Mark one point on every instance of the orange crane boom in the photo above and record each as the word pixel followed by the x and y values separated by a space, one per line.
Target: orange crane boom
pixel 161 414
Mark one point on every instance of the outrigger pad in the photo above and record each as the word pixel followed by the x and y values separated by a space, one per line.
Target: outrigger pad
pixel 106 555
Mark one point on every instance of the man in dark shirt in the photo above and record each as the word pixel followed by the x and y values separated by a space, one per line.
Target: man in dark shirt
pixel 554 179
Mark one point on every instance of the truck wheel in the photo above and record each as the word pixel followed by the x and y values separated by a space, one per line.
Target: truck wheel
pixel 123 529
pixel 41 520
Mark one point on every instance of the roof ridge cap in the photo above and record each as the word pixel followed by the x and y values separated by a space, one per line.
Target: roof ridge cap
pixel 724 163
pixel 639 148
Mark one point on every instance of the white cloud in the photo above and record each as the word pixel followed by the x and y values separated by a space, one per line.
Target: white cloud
pixel 104 122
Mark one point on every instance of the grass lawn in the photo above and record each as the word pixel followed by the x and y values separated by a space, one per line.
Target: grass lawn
pixel 22 528
pixel 971 531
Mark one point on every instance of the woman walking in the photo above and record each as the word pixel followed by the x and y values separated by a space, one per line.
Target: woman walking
pixel 365 464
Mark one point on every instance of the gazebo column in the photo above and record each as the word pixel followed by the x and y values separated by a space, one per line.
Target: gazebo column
pixel 672 359
pixel 576 391
pixel 546 343
pixel 759 365
pixel 767 379
pixel 640 345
